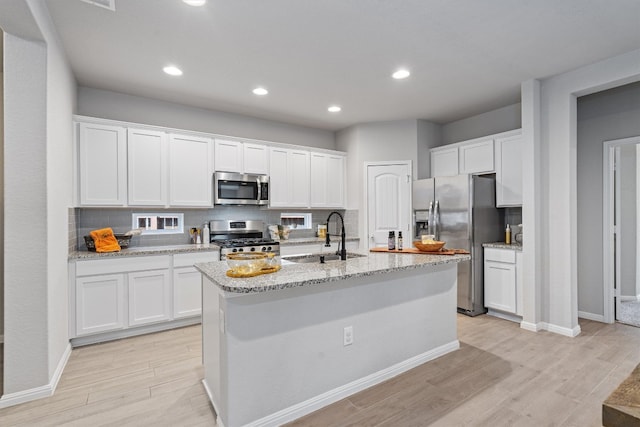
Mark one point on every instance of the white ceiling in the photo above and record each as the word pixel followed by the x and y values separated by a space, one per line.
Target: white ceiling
pixel 465 56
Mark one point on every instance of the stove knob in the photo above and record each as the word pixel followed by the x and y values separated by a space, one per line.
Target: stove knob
pixel 253 249
pixel 264 249
pixel 234 250
pixel 239 250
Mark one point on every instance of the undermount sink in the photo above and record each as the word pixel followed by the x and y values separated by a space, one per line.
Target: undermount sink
pixel 316 258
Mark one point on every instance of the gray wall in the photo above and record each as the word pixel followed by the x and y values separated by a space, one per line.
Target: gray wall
pixel 495 121
pixel 1 200
pixel 117 106
pixel 603 116
pixel 628 219
pixel 429 136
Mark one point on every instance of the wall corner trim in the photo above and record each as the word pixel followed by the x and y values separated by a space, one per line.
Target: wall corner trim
pixel 38 392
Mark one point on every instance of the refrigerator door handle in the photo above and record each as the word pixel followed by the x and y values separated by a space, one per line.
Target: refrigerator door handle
pixel 436 222
pixel 430 219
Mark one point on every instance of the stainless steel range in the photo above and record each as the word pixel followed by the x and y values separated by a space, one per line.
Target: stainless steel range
pixel 241 236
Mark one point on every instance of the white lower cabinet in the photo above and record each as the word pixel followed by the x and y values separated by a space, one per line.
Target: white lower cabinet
pixel 149 297
pixel 502 289
pixel 99 304
pixel 118 295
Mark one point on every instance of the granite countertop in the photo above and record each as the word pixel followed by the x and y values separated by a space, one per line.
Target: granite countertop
pixel 144 250
pixel 293 275
pixel 503 245
pixel 313 239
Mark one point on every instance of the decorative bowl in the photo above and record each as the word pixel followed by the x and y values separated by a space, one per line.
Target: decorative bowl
pixel 247 263
pixel 431 246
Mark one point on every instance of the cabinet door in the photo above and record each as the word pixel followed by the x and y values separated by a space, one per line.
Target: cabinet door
pixel 187 300
pixel 102 157
pixel 149 297
pixel 509 171
pixel 476 157
pixel 318 182
pixel 299 178
pixel 255 158
pixel 500 286
pixel 278 177
pixel 444 162
pixel 147 161
pixel 190 171
pixel 326 181
pixel 99 304
pixel 335 181
pixel 228 156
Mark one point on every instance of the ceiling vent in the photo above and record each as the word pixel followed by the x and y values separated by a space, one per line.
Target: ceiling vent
pixel 106 4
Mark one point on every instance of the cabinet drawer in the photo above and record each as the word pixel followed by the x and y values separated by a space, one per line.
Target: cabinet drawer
pixel 500 255
pixel 121 265
pixel 187 260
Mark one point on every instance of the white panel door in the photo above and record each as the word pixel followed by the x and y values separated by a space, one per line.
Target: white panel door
pixel 388 202
pixel 299 178
pixel 147 167
pixel 187 300
pixel 476 157
pixel 444 161
pixel 102 152
pixel 190 171
pixel 149 297
pixel 255 158
pixel 228 156
pixel 509 171
pixel 99 304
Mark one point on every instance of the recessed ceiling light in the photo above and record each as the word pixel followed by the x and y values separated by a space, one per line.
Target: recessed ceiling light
pixel 401 74
pixel 172 70
pixel 260 91
pixel 334 109
pixel 195 2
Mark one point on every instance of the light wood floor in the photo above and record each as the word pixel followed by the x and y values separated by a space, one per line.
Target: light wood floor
pixel 502 376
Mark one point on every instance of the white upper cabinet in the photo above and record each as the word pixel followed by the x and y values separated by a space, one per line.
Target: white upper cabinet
pixel 476 157
pixel 509 171
pixel 255 158
pixel 190 170
pixel 228 156
pixel 288 178
pixel 444 161
pixel 147 167
pixel 327 180
pixel 102 162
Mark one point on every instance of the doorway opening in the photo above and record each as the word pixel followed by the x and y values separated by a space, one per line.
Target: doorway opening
pixel 621 213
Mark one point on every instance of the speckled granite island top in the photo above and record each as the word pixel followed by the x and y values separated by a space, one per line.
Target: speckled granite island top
pixel 304 274
pixel 143 251
pixel 503 245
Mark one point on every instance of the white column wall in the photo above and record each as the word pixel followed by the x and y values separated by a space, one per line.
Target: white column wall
pixel 558 131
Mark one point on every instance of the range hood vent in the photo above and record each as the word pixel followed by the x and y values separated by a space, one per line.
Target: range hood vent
pixel 106 4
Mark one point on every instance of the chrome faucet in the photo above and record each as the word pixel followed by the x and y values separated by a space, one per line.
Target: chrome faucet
pixel 342 250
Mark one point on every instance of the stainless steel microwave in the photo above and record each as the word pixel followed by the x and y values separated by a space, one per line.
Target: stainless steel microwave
pixel 240 189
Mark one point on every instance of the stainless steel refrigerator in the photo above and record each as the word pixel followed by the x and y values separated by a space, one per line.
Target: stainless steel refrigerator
pixel 461 210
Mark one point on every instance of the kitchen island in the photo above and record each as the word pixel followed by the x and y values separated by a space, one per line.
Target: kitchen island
pixel 281 345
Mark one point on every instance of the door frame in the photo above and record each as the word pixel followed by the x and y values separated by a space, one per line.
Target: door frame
pixel 365 192
pixel 608 224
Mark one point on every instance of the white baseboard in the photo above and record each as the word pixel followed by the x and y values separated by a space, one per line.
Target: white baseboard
pixel 41 392
pixel 533 327
pixel 561 330
pixel 591 316
pixel 629 298
pixel 219 422
pixel 303 408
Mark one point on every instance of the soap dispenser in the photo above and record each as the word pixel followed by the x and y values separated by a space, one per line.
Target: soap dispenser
pixel 507 235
